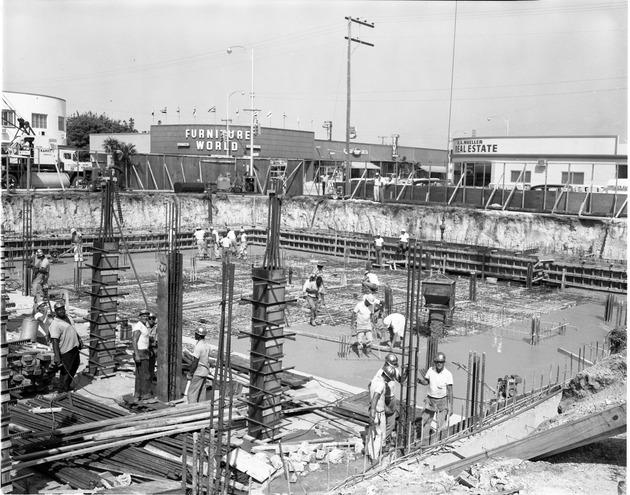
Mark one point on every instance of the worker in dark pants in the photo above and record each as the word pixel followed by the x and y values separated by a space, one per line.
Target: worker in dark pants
pixel 66 344
pixel 153 347
pixel 40 270
pixel 199 368
pixel 141 345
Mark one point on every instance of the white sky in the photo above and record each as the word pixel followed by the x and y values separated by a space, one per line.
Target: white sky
pixel 551 68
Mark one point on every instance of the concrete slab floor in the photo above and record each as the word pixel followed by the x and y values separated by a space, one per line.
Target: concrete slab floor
pixel 497 323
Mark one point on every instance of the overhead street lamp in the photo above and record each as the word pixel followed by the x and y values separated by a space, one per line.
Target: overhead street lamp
pixel 252 109
pixel 227 120
pixel 505 121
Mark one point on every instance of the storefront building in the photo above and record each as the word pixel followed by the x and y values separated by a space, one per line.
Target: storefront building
pixel 580 163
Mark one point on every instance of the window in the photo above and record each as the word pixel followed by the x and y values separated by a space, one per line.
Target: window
pixel 61 123
pixel 525 178
pixel 8 118
pixel 574 178
pixel 39 121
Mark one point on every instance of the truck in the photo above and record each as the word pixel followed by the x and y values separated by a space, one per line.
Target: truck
pixel 50 166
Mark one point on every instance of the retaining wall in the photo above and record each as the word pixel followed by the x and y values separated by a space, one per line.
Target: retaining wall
pixel 58 212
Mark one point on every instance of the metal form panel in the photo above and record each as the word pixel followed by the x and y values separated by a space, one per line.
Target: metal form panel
pixel 267 337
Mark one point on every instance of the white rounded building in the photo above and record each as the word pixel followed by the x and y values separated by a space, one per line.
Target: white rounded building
pixel 45 114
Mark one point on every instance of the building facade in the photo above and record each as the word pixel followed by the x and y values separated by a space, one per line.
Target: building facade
pixel 46 116
pixel 581 163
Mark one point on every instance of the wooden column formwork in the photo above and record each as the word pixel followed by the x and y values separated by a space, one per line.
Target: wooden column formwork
pixel 267 339
pixel 103 308
pixel 5 397
pixel 169 313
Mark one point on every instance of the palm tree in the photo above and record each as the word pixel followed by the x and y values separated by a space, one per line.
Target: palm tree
pixel 121 155
pixel 125 152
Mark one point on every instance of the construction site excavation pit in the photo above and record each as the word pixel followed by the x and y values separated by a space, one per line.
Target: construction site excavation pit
pixel 318 444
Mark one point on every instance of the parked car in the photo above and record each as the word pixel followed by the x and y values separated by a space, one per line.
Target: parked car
pixel 433 182
pixel 551 187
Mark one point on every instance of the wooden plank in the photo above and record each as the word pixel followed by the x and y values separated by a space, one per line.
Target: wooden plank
pixel 564 437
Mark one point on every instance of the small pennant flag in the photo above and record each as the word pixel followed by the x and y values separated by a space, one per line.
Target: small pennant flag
pixel 213 109
pixel 152 113
pixel 268 114
pixel 195 112
pixel 177 109
pixel 163 110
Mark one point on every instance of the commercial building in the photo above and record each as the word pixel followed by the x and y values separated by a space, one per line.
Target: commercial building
pixel 46 115
pixel 581 163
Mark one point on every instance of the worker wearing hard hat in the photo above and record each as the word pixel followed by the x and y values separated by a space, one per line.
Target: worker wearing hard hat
pixel 377 430
pixel 199 368
pixel 140 339
pixel 362 323
pixel 66 345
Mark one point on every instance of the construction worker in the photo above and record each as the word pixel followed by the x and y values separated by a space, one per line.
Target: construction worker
pixel 439 400
pixel 378 183
pixel 395 325
pixel 377 429
pixel 41 313
pixel 393 389
pixel 200 238
pixel 232 237
pixel 311 295
pixel 403 242
pixel 319 272
pixel 226 245
pixel 242 248
pixel 153 346
pixel 40 271
pixel 141 350
pixel 362 323
pixel 199 368
pixel 216 243
pixel 370 283
pixel 378 249
pixel 77 245
pixel 66 345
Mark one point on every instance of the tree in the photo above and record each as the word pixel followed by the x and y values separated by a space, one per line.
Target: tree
pixel 80 126
pixel 122 154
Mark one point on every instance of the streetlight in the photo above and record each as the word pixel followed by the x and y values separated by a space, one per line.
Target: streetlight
pixel 505 121
pixel 227 120
pixel 251 128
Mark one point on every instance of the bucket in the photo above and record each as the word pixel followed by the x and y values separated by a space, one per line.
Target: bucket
pixel 28 331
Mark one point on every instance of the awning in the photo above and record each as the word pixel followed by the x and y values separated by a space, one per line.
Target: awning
pixel 438 169
pixel 364 165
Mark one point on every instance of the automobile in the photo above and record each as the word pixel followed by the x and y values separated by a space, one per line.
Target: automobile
pixel 551 187
pixel 433 182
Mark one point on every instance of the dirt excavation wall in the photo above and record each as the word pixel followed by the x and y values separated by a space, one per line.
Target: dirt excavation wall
pixel 57 213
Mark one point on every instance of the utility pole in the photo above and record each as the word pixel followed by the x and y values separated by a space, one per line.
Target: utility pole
pixel 350 40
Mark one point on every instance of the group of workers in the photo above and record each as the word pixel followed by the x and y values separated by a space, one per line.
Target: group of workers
pixel 223 247
pixel 383 408
pixel 385 386
pixel 402 247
